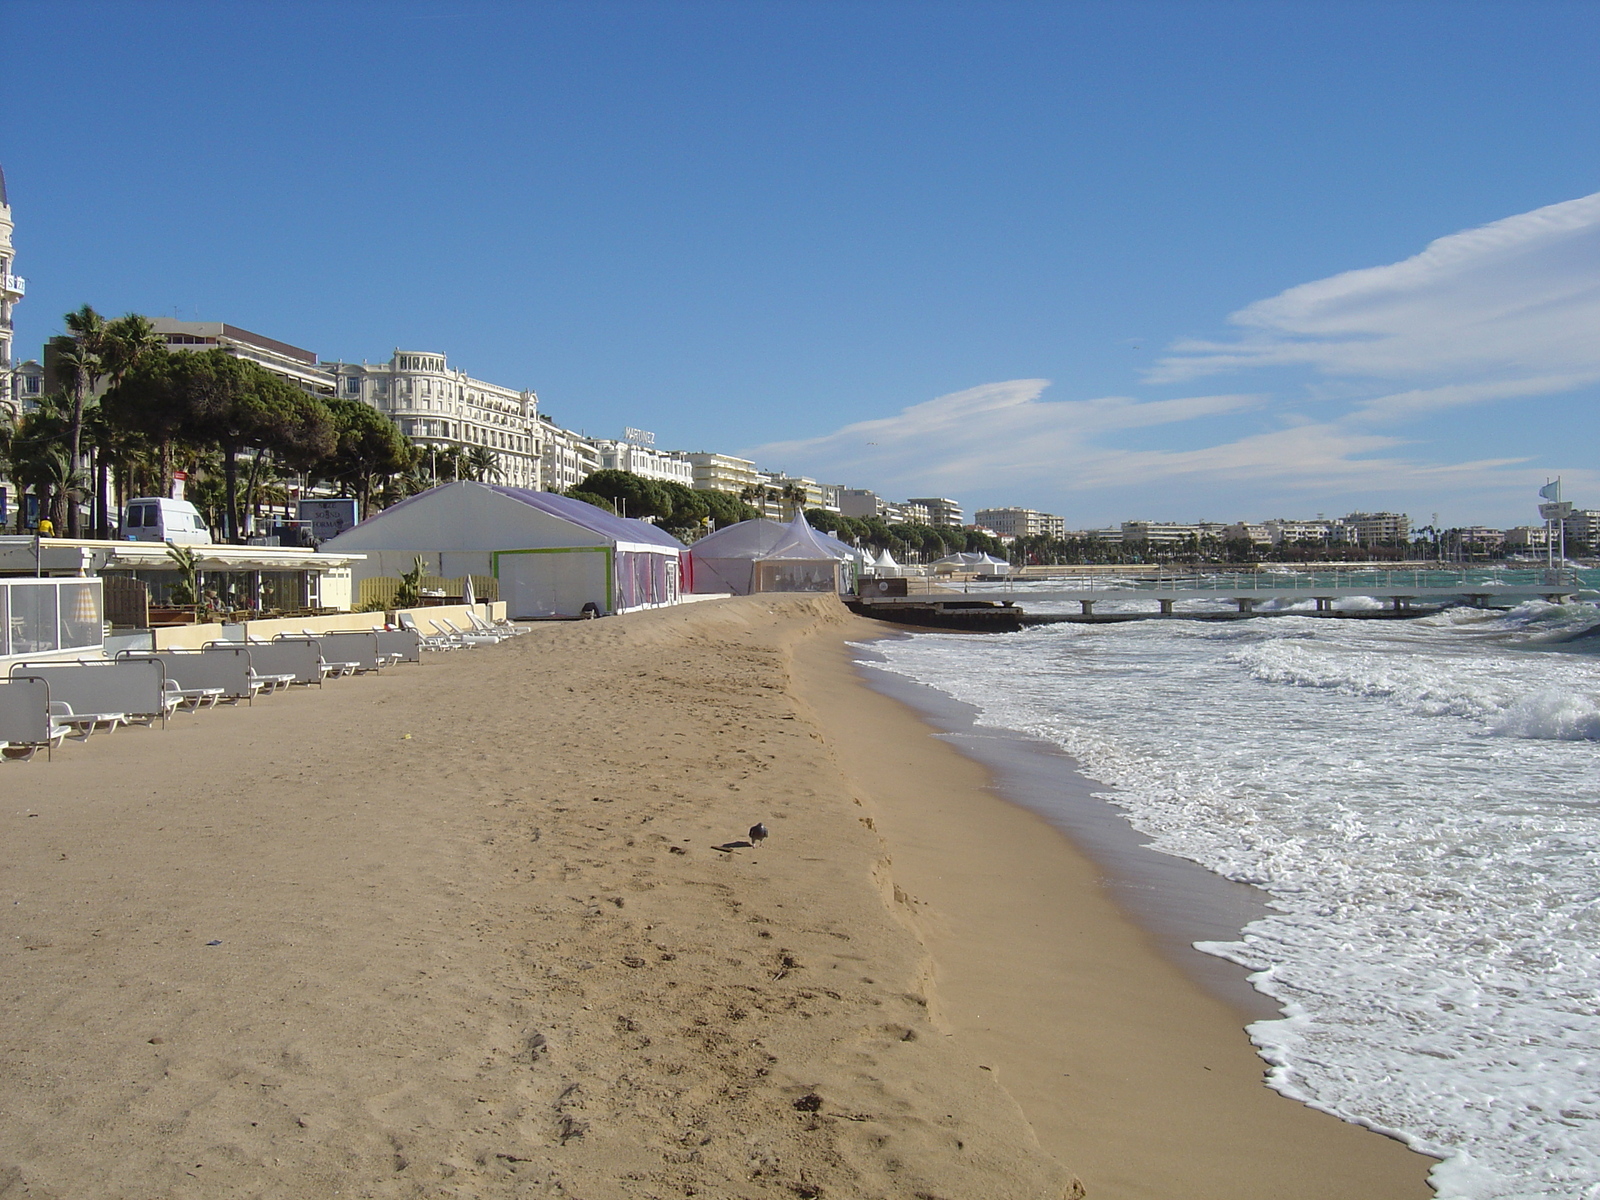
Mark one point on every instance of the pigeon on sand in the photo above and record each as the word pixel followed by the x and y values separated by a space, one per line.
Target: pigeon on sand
pixel 758 832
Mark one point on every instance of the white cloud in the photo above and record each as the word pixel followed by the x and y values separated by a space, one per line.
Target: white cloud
pixel 1507 309
pixel 983 435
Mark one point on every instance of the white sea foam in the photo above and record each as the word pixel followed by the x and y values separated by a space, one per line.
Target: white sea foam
pixel 1420 799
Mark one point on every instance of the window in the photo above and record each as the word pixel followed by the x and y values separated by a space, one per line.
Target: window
pixel 32 385
pixel 352 385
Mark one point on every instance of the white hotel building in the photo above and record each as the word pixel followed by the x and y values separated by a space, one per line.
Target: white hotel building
pixel 437 405
pixel 668 466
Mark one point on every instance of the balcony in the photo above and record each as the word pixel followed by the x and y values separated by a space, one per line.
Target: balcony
pixel 16 285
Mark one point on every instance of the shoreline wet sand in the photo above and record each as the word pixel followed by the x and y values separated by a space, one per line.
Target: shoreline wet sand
pixel 465 930
pixel 1177 902
pixel 1133 1070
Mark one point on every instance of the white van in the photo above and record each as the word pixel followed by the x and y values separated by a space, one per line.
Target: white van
pixel 157 519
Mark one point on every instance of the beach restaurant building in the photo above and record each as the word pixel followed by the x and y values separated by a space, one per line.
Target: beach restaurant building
pixel 58 595
pixel 550 555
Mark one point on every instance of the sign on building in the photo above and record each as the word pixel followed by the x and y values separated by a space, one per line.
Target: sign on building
pixel 329 518
pixel 638 437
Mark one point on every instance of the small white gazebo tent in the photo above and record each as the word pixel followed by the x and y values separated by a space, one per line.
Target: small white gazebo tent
pixel 972 562
pixel 884 566
pixel 768 556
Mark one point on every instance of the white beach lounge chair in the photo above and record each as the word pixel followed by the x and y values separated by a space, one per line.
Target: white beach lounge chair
pixel 503 632
pixel 471 639
pixel 478 628
pixel 84 724
pixel 430 641
pixel 336 669
pixel 267 684
pixel 190 699
pixel 506 626
pixel 23 751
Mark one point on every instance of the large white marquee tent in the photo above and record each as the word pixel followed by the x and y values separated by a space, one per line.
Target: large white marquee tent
pixel 551 554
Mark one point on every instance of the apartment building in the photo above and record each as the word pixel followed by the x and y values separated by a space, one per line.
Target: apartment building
pixel 1380 528
pixel 940 510
pixel 1020 522
pixel 1583 527
pixel 1474 539
pixel 1248 531
pixel 438 406
pixel 297 365
pixel 1282 530
pixel 862 502
pixel 668 466
pixel 776 482
pixel 723 472
pixel 1160 533
pixel 1529 537
pixel 566 458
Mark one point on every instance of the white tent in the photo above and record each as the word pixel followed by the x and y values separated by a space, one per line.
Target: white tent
pixel 768 556
pixel 551 554
pixel 971 562
pixel 884 566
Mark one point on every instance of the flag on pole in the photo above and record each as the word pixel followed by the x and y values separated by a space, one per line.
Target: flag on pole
pixel 1551 491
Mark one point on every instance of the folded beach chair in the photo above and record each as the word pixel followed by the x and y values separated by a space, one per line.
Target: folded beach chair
pixel 84 724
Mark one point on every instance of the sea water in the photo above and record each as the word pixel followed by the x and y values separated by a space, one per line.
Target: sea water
pixel 1420 801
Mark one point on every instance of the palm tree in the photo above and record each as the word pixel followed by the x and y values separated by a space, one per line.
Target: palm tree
pixel 39 435
pixel 755 495
pixel 62 485
pixel 80 358
pixel 127 340
pixel 794 496
pixel 482 464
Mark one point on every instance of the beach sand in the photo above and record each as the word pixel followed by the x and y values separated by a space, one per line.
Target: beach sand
pixel 462 930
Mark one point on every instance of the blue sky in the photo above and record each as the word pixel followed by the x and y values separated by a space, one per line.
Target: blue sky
pixel 1160 260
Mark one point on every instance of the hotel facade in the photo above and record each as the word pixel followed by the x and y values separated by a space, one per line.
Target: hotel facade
pixel 442 407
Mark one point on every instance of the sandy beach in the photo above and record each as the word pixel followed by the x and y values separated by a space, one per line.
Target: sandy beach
pixel 464 930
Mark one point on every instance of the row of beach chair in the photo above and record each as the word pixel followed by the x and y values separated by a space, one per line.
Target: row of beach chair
pixel 42 704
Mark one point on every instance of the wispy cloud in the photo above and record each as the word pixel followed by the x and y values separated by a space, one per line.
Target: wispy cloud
pixel 1507 309
pixel 996 431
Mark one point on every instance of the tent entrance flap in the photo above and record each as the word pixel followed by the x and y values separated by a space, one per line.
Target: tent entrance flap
pixel 555 582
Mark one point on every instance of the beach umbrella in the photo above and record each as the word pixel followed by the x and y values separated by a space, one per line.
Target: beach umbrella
pixel 466 592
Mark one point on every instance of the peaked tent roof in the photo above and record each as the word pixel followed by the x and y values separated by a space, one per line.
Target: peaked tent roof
pixel 595 521
pixel 762 539
pixel 971 558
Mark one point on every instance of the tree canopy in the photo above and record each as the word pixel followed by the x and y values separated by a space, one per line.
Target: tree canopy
pixel 215 399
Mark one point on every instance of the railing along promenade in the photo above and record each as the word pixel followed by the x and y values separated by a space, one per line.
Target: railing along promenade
pixel 1401 587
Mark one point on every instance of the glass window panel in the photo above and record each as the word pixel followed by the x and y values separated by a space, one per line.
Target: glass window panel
pixel 5 620
pixel 33 618
pixel 81 615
